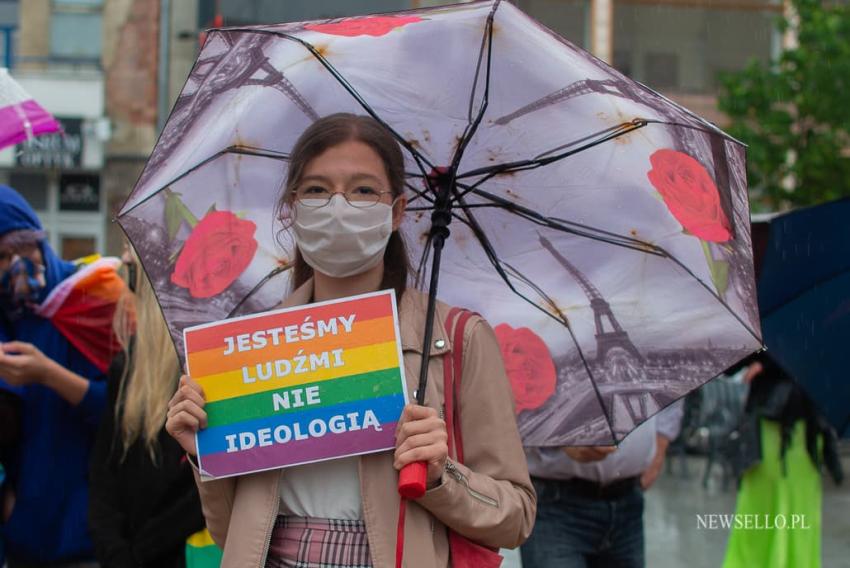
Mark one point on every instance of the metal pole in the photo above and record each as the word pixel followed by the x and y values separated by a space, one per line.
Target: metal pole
pixel 162 63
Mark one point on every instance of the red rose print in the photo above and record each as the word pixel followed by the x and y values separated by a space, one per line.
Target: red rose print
pixel 219 249
pixel 690 195
pixel 529 365
pixel 369 25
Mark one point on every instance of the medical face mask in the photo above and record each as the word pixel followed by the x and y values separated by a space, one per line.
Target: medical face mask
pixel 339 239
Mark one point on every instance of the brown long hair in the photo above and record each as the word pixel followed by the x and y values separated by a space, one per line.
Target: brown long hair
pixel 328 132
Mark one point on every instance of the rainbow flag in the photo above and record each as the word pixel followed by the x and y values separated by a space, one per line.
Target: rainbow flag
pixel 83 305
pixel 298 385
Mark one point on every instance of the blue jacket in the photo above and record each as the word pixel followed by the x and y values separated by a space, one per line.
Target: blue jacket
pixel 50 467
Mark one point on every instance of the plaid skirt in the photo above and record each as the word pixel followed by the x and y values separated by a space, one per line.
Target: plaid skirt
pixel 305 542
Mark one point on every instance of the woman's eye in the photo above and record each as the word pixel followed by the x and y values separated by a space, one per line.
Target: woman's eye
pixel 314 190
pixel 366 190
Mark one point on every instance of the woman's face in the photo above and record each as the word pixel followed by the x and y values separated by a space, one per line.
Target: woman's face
pixel 353 168
pixel 9 253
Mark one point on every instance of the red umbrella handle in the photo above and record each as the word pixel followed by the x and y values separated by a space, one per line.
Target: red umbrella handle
pixel 411 480
pixel 412 477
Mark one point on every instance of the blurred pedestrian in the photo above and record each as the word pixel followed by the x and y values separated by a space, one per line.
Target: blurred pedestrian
pixel 143 501
pixel 61 395
pixel 785 444
pixel 590 499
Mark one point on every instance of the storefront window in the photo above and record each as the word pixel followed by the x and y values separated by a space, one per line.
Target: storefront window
pixel 681 45
pixel 33 188
pixel 74 247
pixel 75 30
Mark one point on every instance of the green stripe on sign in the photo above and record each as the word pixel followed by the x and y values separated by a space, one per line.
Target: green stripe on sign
pixel 347 389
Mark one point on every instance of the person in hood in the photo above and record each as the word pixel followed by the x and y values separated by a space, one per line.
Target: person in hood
pixel 61 395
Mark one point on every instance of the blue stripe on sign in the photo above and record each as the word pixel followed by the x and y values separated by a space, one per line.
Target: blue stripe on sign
pixel 386 408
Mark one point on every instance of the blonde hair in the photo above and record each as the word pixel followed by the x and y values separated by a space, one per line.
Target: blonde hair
pixel 151 370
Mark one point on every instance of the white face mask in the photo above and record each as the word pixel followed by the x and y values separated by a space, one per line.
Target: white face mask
pixel 341 240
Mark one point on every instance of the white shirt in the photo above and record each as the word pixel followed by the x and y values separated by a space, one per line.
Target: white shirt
pixel 325 490
pixel 633 455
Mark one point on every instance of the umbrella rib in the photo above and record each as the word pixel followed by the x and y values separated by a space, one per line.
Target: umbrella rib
pixel 243 150
pixel 572 227
pixel 420 158
pixel 482 239
pixel 274 272
pixel 467 206
pixel 419 193
pixel 621 129
pixel 716 296
pixel 472 126
pixel 610 133
pixel 616 240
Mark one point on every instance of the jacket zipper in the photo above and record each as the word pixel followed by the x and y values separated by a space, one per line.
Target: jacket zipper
pixel 456 473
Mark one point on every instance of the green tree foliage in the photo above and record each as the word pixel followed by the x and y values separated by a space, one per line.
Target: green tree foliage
pixel 794 113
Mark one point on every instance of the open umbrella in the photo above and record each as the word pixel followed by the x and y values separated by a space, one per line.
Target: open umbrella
pixel 21 117
pixel 804 297
pixel 601 228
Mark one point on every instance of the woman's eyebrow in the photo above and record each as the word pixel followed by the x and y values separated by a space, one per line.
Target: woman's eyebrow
pixel 362 176
pixel 315 177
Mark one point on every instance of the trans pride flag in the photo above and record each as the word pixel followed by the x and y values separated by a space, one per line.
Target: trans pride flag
pixel 21 118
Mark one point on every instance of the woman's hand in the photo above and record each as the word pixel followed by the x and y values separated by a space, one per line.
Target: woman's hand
pixel 421 436
pixel 589 454
pixel 23 364
pixel 753 371
pixel 186 414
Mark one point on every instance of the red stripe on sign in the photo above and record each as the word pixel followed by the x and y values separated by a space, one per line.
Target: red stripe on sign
pixel 213 337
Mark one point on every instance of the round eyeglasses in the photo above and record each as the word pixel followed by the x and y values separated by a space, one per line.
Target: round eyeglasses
pixel 317 196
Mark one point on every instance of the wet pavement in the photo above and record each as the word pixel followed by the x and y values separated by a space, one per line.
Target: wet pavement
pixel 675 539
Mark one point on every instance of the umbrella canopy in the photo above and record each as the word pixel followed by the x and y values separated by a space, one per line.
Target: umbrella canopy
pixel 21 118
pixel 804 297
pixel 601 228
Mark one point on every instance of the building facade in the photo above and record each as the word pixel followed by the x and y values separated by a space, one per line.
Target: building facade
pixel 111 69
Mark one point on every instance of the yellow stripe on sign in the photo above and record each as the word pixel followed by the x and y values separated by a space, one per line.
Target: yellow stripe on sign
pixel 363 333
pixel 355 361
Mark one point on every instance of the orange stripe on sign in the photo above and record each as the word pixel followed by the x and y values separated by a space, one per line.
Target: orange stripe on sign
pixel 369 332
pixel 213 337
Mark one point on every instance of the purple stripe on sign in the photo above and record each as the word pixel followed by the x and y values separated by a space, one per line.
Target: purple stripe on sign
pixel 12 118
pixel 222 464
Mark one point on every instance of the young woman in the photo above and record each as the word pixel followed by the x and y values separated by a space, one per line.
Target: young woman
pixel 344 197
pixel 143 504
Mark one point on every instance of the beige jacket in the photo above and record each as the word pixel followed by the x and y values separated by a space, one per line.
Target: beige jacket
pixel 494 502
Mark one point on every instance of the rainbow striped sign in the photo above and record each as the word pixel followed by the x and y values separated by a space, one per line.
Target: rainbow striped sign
pixel 298 385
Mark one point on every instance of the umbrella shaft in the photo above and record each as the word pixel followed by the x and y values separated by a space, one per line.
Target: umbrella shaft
pixel 439 240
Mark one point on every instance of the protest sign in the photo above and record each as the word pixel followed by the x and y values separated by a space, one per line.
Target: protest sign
pixel 298 385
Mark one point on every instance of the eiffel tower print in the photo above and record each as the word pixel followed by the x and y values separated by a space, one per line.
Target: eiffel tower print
pixel 609 332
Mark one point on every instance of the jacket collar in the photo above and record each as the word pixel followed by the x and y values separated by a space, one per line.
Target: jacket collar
pixel 411 313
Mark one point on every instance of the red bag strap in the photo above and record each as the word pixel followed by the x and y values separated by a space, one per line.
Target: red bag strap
pixel 452 368
pixel 452 375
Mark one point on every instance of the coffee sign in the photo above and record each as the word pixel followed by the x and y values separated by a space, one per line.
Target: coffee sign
pixel 60 150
